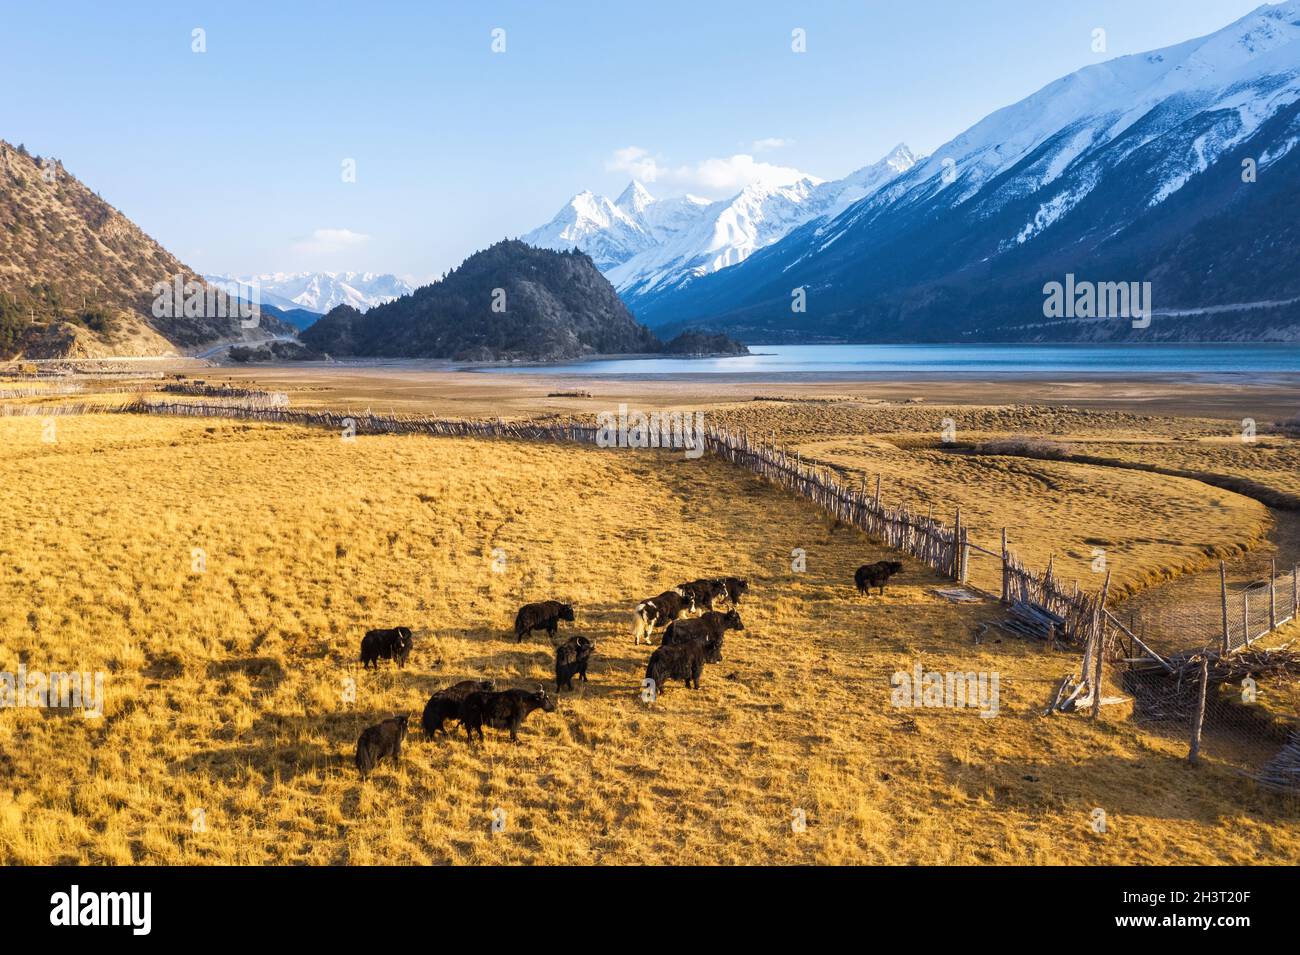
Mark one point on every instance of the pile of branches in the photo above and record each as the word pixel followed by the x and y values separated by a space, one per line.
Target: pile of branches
pixel 1032 621
pixel 1171 691
pixel 1235 666
pixel 1283 770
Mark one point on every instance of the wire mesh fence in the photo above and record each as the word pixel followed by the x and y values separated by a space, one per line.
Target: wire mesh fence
pixel 1230 616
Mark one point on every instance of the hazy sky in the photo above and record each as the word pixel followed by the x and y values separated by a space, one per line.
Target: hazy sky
pixel 233 158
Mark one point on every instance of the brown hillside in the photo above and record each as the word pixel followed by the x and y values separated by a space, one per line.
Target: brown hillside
pixel 76 275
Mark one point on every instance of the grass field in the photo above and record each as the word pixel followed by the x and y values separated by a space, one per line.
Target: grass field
pixel 228 690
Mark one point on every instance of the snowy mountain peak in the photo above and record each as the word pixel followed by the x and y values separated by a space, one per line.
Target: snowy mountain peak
pixel 644 244
pixel 321 291
pixel 900 158
pixel 635 199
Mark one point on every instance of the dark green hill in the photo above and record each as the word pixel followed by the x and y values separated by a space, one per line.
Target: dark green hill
pixel 509 302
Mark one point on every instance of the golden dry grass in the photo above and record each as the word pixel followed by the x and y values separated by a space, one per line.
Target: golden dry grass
pixel 225 688
pixel 1150 526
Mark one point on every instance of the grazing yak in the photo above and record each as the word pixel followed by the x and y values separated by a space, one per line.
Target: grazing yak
pixel 712 626
pixel 445 704
pixel 394 644
pixel 682 661
pixel 571 657
pixel 876 575
pixel 703 592
pixel 659 611
pixel 735 588
pixel 376 742
pixel 502 709
pixel 708 589
pixel 545 615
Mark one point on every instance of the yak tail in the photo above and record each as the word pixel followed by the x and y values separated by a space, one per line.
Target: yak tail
pixel 639 623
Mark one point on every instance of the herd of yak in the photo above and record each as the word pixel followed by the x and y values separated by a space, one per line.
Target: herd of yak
pixel 687 644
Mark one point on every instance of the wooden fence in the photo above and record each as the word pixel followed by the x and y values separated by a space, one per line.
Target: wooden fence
pixel 943 547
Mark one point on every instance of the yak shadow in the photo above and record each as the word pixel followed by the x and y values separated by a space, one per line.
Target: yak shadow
pixel 266 673
pixel 270 760
pixel 1121 786
pixel 263 748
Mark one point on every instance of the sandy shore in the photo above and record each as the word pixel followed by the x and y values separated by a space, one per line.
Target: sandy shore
pixel 435 387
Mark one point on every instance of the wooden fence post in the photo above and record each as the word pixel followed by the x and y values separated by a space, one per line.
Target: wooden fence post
pixel 1223 592
pixel 1006 584
pixel 965 554
pixel 1245 617
pixel 1194 754
pixel 1295 591
pixel 1099 629
pixel 955 570
pixel 877 499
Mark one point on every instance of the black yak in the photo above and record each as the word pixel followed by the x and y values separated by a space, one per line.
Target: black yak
pixel 682 661
pixel 712 625
pixel 376 742
pixel 572 657
pixel 703 592
pixel 445 704
pixel 735 587
pixel 502 709
pixel 659 612
pixel 394 644
pixel 545 615
pixel 876 575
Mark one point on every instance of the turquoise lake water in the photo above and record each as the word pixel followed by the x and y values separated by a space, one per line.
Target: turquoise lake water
pixel 973 359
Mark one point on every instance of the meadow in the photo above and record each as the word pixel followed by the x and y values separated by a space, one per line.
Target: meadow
pixel 222 574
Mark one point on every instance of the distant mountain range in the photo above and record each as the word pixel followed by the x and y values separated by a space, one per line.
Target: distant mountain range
pixel 319 292
pixel 1175 167
pixel 77 278
pixel 652 248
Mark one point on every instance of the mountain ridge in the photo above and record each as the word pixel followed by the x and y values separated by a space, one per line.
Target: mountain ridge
pixel 319 292
pixel 78 279
pixel 1129 170
pixel 648 247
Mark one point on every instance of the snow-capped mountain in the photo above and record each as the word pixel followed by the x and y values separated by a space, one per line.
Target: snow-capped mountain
pixel 649 246
pixel 727 232
pixel 611 232
pixel 1174 167
pixel 321 291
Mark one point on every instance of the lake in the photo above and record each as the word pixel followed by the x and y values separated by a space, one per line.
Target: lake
pixel 953 359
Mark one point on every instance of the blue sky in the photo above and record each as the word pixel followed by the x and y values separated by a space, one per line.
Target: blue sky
pixel 233 158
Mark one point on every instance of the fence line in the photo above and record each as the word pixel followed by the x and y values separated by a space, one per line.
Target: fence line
pixel 943 547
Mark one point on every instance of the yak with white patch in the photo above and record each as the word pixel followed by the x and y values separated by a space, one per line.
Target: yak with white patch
pixel 659 611
pixel 703 592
